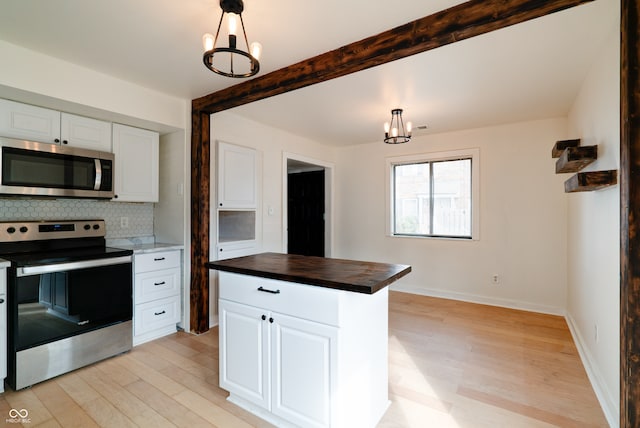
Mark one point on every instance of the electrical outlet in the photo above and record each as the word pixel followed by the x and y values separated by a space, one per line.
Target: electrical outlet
pixel 495 279
pixel 124 222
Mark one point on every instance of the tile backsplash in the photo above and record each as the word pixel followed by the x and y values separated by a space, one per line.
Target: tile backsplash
pixel 139 215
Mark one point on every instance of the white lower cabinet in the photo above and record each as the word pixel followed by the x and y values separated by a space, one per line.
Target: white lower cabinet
pixel 156 286
pixel 267 354
pixel 302 350
pixel 300 355
pixel 244 364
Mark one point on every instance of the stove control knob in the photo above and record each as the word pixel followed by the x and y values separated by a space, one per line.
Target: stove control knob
pixel 11 230
pixel 24 229
pixel 96 226
pixel 87 227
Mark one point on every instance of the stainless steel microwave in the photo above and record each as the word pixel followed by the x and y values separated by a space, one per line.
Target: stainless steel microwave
pixel 28 168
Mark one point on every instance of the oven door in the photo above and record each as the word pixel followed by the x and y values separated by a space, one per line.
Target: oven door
pixel 53 302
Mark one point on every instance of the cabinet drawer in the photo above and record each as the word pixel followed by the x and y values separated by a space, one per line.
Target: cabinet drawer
pixel 157 314
pixel 156 261
pixel 157 285
pixel 299 300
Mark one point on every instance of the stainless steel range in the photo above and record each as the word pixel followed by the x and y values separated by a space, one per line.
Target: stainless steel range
pixel 69 297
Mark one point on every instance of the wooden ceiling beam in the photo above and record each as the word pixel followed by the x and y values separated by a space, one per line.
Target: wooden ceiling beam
pixel 460 22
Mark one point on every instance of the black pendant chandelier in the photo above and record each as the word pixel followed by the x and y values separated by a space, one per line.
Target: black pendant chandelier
pixel 395 131
pixel 231 61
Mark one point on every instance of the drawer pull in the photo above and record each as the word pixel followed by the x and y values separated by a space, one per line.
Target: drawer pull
pixel 159 259
pixel 266 290
pixel 160 313
pixel 264 317
pixel 159 283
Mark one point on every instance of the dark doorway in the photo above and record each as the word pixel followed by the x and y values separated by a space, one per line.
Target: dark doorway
pixel 305 213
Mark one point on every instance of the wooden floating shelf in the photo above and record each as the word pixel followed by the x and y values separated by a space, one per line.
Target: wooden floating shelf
pixel 562 145
pixel 592 180
pixel 573 159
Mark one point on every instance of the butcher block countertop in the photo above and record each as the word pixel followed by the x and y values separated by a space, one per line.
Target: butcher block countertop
pixel 340 274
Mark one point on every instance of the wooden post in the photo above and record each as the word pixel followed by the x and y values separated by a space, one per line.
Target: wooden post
pixel 200 182
pixel 630 215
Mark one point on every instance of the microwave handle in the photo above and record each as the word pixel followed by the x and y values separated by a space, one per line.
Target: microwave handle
pixel 98 182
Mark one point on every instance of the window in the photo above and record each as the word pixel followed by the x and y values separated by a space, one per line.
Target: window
pixel 434 195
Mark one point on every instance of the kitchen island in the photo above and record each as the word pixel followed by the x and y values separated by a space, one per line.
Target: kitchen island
pixel 303 340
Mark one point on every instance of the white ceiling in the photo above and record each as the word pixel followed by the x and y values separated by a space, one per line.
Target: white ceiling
pixel 529 71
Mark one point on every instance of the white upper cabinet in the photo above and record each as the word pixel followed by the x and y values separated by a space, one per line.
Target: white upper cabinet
pixel 79 131
pixel 27 122
pixel 237 176
pixel 136 164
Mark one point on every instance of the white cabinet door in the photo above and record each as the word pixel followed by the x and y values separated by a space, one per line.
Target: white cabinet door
pixel 236 249
pixel 136 164
pixel 244 354
pixel 237 175
pixel 303 370
pixel 27 122
pixel 84 132
pixel 158 314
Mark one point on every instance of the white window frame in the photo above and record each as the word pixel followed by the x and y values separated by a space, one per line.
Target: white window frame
pixel 473 153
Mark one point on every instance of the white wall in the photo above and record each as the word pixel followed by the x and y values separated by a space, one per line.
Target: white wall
pixel 594 232
pixel 169 212
pixel 522 218
pixel 52 79
pixel 271 143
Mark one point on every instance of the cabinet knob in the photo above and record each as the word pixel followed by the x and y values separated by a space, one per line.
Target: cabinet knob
pixel 57 140
pixel 271 320
pixel 1 301
pixel 264 317
pixel 65 142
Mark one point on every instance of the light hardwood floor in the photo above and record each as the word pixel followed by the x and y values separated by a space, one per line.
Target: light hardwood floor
pixel 451 364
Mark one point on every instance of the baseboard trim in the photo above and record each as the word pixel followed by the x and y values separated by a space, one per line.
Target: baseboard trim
pixel 484 300
pixel 608 405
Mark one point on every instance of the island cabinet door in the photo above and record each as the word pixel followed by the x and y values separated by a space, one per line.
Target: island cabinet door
pixel 244 355
pixel 303 367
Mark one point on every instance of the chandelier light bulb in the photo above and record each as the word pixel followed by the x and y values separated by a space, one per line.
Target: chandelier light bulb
pixel 256 50
pixel 207 42
pixel 394 132
pixel 233 24
pixel 409 128
pixel 386 127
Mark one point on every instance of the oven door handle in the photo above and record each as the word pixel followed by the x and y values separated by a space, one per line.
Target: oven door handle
pixel 63 267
